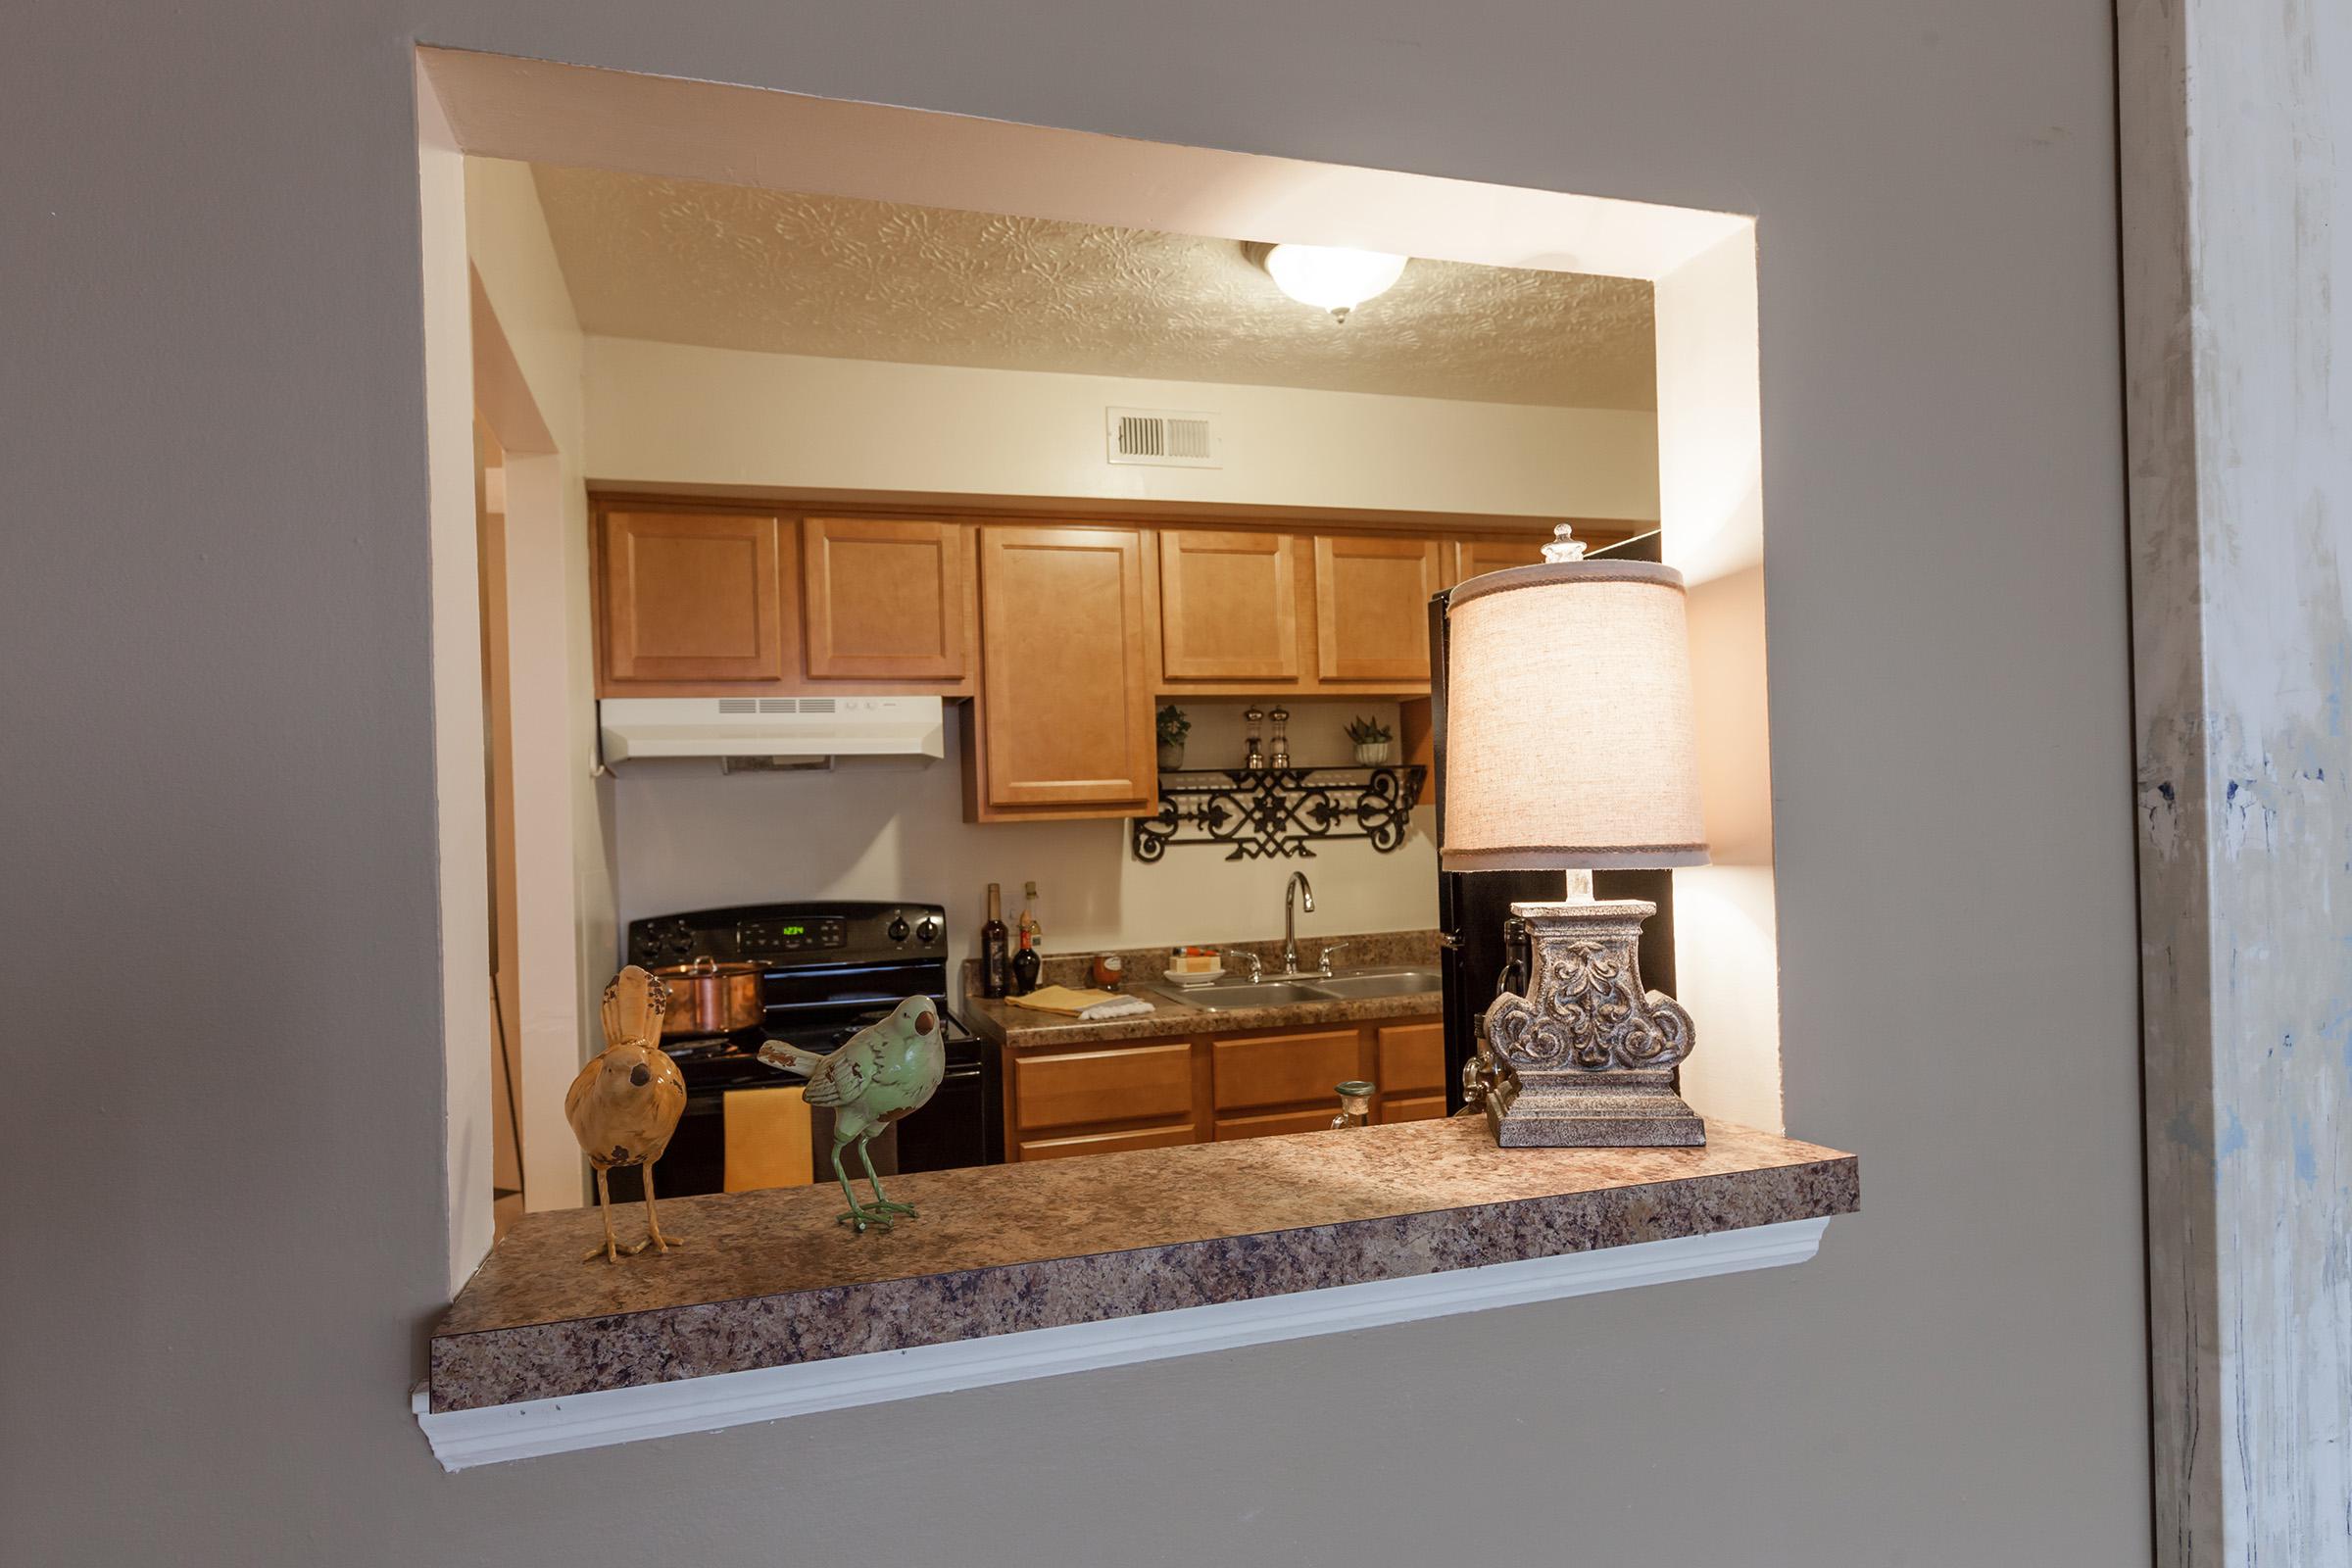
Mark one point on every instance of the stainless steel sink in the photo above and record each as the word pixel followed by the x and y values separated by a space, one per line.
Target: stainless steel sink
pixel 1377 983
pixel 1347 986
pixel 1242 994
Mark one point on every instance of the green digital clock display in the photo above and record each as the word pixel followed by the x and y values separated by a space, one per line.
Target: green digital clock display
pixel 793 930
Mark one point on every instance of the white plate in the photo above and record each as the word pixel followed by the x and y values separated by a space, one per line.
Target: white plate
pixel 1193 977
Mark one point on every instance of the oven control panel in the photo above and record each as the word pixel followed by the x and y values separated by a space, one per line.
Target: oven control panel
pixel 784 935
pixel 766 938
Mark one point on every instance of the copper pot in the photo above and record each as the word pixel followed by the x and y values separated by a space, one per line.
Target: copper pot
pixel 709 998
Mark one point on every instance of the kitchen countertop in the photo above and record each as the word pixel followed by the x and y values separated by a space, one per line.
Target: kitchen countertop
pixel 1015 1027
pixel 1003 1024
pixel 768 1279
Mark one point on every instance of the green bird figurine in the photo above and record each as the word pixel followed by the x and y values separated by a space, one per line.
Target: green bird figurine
pixel 878 1075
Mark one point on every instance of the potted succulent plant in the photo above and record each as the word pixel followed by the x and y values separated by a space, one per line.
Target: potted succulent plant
pixel 1173 728
pixel 1372 741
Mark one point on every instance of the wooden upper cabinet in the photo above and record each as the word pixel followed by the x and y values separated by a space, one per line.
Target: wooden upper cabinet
pixel 1372 607
pixel 1474 558
pixel 1228 605
pixel 1065 707
pixel 885 599
pixel 694 597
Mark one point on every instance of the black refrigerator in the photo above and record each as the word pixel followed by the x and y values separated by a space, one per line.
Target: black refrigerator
pixel 1473 906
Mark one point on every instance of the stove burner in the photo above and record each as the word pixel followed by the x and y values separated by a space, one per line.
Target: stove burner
pixel 705 1047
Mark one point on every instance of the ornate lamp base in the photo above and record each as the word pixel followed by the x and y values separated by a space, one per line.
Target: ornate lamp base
pixel 1586 1059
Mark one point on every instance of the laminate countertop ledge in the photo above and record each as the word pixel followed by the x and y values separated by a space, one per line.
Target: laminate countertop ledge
pixel 768 1280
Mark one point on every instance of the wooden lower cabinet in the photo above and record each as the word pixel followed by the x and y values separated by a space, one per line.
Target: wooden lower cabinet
pixel 1294 1068
pixel 1109 1143
pixel 1101 1084
pixel 1156 1094
pixel 1410 1059
pixel 1281 1121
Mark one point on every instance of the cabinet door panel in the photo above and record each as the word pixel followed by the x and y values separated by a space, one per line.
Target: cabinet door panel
pixel 1064 702
pixel 1372 608
pixel 1476 556
pixel 1430 1107
pixel 1228 605
pixel 1253 1070
pixel 1411 1058
pixel 885 599
pixel 693 597
pixel 1105 1142
pixel 1278 1123
pixel 1116 1084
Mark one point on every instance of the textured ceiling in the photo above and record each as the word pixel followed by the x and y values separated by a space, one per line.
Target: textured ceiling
pixel 725 266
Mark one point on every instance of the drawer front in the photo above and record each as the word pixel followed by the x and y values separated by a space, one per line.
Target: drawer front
pixel 1426 1107
pixel 1254 1070
pixel 1281 1121
pixel 1118 1083
pixel 1105 1142
pixel 1412 1057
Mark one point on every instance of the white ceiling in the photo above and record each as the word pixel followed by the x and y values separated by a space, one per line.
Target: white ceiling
pixel 728 266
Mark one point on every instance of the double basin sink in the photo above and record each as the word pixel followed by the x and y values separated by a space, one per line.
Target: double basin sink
pixel 1348 985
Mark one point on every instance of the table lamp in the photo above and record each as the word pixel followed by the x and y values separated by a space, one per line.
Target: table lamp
pixel 1569 746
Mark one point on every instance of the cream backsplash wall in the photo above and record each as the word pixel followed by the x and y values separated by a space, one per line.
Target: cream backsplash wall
pixel 665 413
pixel 692 838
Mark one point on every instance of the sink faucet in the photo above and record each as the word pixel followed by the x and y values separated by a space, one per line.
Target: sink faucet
pixel 1296 892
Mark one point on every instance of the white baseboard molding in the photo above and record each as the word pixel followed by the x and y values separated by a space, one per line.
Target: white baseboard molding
pixel 464 1439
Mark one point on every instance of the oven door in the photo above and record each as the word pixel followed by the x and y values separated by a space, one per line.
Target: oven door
pixel 961 1125
pixel 696 1160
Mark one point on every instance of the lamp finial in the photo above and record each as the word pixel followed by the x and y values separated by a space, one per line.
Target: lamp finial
pixel 1564 546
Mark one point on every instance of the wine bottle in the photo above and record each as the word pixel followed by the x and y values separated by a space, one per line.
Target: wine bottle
pixel 996 959
pixel 1028 961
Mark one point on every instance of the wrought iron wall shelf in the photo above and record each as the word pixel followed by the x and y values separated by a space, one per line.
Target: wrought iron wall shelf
pixel 1280 812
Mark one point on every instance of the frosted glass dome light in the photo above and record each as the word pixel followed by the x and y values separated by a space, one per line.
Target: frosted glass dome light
pixel 1332 278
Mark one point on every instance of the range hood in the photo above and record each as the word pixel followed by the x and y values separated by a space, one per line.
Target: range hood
pixel 636 728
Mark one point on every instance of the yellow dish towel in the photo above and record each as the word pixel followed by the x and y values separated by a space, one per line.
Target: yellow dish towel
pixel 1062 1000
pixel 767 1139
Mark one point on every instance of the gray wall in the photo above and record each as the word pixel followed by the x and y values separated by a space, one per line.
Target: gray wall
pixel 223 1225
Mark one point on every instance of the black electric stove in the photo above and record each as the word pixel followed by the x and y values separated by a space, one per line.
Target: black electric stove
pixel 827 970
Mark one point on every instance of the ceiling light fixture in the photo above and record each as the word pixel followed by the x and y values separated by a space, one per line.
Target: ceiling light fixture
pixel 1330 277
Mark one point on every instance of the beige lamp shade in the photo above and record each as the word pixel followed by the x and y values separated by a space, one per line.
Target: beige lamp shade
pixel 1568 739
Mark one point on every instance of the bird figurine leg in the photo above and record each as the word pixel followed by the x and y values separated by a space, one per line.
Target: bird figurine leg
pixel 880 1203
pixel 653 1221
pixel 611 1252
pixel 856 1216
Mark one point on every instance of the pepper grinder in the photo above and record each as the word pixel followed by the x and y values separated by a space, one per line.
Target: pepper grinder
pixel 1253 716
pixel 1282 737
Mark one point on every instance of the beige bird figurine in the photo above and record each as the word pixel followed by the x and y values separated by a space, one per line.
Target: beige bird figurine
pixel 625 1102
pixel 878 1075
